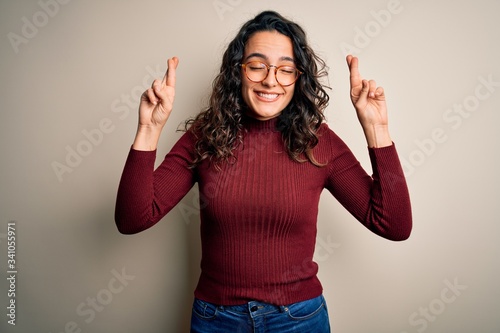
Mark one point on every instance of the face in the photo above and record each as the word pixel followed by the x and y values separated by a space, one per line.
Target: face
pixel 268 98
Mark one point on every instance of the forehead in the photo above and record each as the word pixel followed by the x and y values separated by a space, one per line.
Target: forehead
pixel 270 44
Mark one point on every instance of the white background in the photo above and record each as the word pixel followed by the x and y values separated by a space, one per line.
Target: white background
pixel 79 66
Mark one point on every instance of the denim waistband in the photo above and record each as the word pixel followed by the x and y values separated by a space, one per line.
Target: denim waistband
pixel 256 308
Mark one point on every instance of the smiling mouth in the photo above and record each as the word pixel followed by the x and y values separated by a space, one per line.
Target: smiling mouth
pixel 267 96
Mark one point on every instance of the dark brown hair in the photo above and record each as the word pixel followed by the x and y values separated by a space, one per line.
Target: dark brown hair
pixel 218 128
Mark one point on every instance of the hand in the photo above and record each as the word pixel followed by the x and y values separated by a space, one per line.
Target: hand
pixel 367 98
pixel 369 102
pixel 154 109
pixel 157 102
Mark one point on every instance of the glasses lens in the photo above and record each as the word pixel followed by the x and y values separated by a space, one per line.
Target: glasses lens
pixel 257 72
pixel 286 75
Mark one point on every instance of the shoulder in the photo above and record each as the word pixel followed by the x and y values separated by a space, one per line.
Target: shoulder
pixel 327 136
pixel 330 146
pixel 188 137
pixel 185 145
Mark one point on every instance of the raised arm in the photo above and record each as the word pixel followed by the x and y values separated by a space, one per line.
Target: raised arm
pixel 381 201
pixel 145 195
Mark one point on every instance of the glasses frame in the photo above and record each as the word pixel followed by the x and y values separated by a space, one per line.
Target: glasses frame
pixel 276 68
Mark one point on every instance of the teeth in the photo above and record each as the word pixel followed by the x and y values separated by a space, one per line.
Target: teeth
pixel 268 96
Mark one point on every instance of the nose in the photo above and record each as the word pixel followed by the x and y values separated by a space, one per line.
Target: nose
pixel 270 79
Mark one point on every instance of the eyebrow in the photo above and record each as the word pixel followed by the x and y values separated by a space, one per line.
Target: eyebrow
pixel 264 57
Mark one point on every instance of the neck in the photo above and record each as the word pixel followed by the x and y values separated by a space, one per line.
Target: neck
pixel 252 124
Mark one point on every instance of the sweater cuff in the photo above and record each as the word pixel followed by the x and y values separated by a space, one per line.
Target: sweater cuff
pixel 385 159
pixel 382 151
pixel 140 157
pixel 142 153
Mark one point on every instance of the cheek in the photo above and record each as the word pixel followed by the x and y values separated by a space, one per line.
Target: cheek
pixel 246 90
pixel 289 93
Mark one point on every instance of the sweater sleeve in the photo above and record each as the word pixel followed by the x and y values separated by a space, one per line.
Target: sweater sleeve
pixel 380 202
pixel 145 195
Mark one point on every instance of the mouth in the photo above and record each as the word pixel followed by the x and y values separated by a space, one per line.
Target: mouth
pixel 267 97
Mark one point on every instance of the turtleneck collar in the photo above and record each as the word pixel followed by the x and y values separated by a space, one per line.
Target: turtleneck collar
pixel 254 125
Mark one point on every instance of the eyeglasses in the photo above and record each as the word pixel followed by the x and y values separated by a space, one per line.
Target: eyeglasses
pixel 257 71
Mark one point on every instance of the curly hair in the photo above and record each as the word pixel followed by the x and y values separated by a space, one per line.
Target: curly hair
pixel 219 129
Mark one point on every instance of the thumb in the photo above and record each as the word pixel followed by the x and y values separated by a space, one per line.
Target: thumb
pixel 161 91
pixel 363 94
pixel 165 95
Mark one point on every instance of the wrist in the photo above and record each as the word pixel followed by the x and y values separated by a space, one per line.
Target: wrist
pixel 377 136
pixel 146 138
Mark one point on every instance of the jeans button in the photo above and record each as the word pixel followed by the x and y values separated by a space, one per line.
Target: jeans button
pixel 254 308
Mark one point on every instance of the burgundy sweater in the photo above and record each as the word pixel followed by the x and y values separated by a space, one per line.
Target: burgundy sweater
pixel 259 214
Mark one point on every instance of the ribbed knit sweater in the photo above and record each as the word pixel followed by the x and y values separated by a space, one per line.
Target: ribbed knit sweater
pixel 259 214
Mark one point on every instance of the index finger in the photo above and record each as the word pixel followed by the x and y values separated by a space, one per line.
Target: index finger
pixel 169 78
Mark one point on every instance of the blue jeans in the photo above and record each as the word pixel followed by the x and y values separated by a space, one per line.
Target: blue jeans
pixel 257 317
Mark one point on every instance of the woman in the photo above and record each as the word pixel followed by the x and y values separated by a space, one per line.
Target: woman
pixel 261 155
